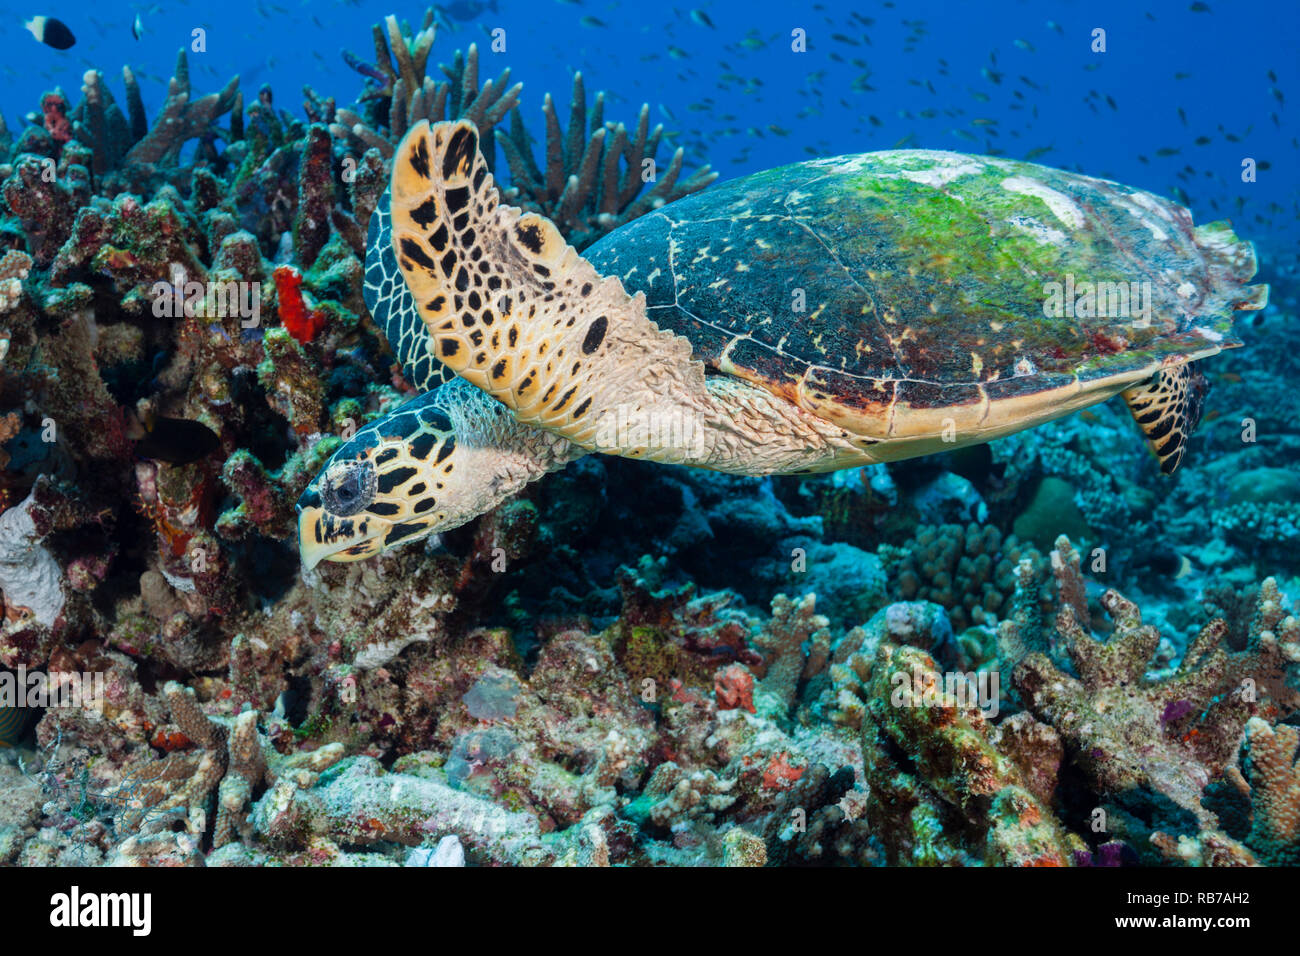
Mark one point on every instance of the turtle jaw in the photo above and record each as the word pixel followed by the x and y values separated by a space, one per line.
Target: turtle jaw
pixel 326 537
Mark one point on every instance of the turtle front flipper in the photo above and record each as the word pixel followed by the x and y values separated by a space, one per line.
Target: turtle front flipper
pixel 393 309
pixel 1167 407
pixel 515 310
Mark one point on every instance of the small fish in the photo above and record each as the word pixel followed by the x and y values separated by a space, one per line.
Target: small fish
pixel 137 28
pixel 51 32
pixel 992 75
pixel 1182 76
pixel 1054 27
pixel 1025 45
pixel 1182 115
pixel 702 18
pixel 1199 7
pixel 1111 103
pixel 178 441
pixel 677 53
pixel 1038 151
pixel 14 721
pixel 590 21
pixel 1168 151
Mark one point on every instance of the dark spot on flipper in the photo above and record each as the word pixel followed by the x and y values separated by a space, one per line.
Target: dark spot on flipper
pixel 425 213
pixel 420 158
pixel 447 448
pixel 460 151
pixel 411 249
pixel 449 347
pixel 416 489
pixel 479 175
pixel 530 237
pixel 439 238
pixel 424 505
pixel 457 198
pixel 384 509
pixel 595 335
pixel 385 456
pixel 577 412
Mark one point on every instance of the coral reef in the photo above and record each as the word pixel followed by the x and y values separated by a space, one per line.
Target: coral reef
pixel 625 664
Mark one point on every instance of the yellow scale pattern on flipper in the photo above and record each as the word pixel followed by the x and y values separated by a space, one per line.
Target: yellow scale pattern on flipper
pixel 515 310
pixel 1167 407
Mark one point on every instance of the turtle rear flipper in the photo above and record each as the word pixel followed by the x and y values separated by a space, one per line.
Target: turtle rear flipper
pixel 1167 407
pixel 512 308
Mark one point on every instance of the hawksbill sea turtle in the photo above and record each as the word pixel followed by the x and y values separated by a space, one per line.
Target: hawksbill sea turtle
pixel 823 315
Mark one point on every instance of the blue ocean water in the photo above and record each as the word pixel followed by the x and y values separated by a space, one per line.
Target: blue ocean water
pixel 1182 95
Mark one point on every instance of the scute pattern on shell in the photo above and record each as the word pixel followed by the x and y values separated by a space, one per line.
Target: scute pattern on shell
pixel 920 277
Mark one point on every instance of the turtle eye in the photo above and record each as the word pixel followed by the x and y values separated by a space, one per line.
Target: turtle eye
pixel 348 487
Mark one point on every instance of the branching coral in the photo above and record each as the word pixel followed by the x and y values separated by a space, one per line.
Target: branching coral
pixel 592 184
pixel 399 94
pixel 1173 735
pixel 1272 781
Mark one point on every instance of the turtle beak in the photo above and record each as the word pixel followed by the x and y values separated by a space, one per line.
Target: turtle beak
pixel 320 538
pixel 311 549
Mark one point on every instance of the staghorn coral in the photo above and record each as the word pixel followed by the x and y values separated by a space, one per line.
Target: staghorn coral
pixel 1272 782
pixel 398 93
pixel 592 184
pixel 1172 735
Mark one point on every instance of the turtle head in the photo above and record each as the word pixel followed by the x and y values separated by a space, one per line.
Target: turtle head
pixel 436 463
pixel 394 481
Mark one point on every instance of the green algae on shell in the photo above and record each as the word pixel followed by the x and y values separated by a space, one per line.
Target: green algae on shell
pixel 931 280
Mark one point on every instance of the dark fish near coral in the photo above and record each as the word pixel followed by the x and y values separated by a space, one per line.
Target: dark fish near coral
pixel 14 721
pixel 178 441
pixel 51 32
pixel 463 10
